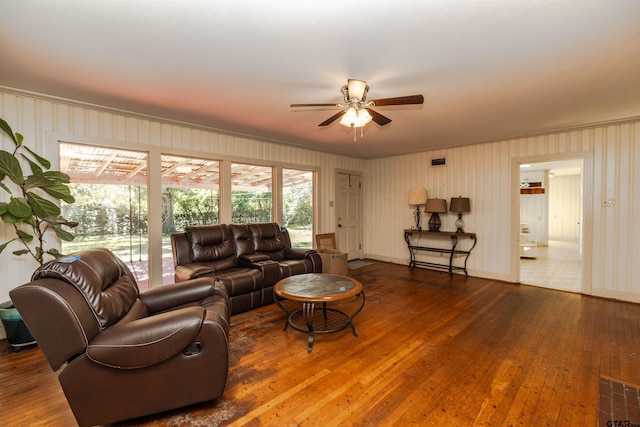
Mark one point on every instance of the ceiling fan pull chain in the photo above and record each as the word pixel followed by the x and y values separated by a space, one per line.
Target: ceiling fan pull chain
pixel 354 133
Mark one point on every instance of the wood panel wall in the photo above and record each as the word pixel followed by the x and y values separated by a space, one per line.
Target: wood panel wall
pixel 487 173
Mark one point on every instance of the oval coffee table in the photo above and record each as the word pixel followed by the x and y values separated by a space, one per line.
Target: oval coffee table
pixel 318 288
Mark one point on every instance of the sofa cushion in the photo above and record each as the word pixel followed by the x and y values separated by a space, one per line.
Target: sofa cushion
pixel 212 245
pixel 242 238
pixel 267 239
pixel 104 281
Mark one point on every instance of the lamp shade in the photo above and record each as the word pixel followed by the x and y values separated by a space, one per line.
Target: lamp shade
pixel 460 204
pixel 357 89
pixel 417 196
pixel 436 206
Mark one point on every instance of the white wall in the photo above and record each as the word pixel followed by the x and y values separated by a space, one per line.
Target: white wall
pixel 564 207
pixel 488 175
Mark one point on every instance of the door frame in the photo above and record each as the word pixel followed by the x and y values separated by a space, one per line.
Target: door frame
pixel 587 212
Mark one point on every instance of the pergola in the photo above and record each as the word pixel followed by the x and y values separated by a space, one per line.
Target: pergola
pixel 100 165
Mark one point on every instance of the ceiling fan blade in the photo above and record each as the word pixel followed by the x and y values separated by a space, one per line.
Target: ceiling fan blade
pixel 400 100
pixel 314 105
pixel 332 118
pixel 378 118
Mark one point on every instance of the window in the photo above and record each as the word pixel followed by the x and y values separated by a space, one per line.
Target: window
pixel 190 196
pixel 251 198
pixel 297 204
pixel 110 188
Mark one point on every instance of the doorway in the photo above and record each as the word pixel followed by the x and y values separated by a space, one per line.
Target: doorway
pixel 348 207
pixel 550 224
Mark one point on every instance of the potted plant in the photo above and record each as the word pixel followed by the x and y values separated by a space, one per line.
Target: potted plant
pixel 33 211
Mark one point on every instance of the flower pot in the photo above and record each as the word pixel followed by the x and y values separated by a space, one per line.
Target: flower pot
pixel 17 332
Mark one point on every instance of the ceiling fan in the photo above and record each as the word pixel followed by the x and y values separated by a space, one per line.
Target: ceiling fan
pixel 357 110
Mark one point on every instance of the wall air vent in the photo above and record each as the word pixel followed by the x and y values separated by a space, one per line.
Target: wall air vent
pixel 442 161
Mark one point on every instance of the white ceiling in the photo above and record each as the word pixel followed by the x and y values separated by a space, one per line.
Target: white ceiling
pixel 488 69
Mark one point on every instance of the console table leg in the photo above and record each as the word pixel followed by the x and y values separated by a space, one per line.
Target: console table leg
pixel 454 243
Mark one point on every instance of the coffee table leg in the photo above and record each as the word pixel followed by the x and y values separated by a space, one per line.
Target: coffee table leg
pixel 276 298
pixel 307 312
pixel 353 327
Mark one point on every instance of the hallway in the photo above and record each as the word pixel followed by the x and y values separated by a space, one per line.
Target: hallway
pixel 557 266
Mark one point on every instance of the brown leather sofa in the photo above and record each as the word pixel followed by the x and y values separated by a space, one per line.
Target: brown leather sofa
pixel 248 259
pixel 127 354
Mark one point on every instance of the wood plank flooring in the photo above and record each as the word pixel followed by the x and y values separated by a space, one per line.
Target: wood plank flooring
pixel 431 351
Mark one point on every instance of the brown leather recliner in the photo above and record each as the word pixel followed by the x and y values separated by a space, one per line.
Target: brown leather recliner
pixel 127 354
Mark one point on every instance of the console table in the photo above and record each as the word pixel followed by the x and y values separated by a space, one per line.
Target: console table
pixel 452 252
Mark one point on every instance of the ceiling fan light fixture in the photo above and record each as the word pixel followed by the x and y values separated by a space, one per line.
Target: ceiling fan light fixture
pixel 355 117
pixel 357 90
pixel 349 117
pixel 362 118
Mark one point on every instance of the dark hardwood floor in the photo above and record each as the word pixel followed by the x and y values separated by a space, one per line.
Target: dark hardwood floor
pixel 431 351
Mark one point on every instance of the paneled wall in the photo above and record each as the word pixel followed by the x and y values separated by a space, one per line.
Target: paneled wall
pixel 44 121
pixel 488 174
pixel 564 207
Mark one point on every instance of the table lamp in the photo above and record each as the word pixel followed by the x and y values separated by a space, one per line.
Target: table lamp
pixel 435 207
pixel 417 196
pixel 460 205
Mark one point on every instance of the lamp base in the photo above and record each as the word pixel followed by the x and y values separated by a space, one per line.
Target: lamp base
pixel 434 222
pixel 460 223
pixel 416 217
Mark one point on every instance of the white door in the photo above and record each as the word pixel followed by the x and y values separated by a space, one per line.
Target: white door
pixel 348 214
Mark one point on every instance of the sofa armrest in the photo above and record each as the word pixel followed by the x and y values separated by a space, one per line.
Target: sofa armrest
pixel 169 296
pixel 147 341
pixel 298 253
pixel 192 270
pixel 248 259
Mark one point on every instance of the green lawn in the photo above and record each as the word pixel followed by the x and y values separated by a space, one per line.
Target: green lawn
pixel 134 248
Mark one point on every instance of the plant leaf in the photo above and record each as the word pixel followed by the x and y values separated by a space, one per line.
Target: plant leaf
pixel 38 181
pixel 4 187
pixel 43 162
pixel 5 244
pixel 7 218
pixel 7 129
pixel 60 192
pixel 55 253
pixel 35 168
pixel 57 176
pixel 10 167
pixel 24 236
pixel 19 208
pixel 21 252
pixel 62 221
pixel 62 234
pixel 42 207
